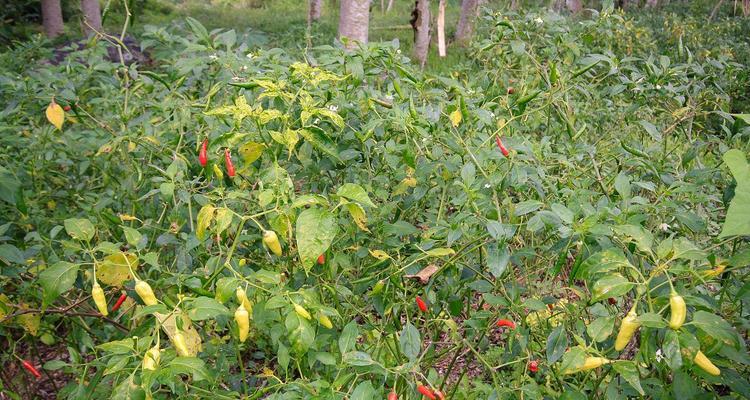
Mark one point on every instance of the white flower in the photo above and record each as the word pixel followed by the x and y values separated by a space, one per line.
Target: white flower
pixel 236 78
pixel 659 356
pixel 244 68
pixel 486 185
pixel 538 20
pixel 249 55
pixel 664 227
pixel 333 107
pixel 398 51
pixel 213 57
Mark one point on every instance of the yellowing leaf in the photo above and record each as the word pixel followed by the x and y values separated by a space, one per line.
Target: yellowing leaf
pixel 379 254
pixel 455 117
pixel 55 115
pixel 30 322
pixel 5 308
pixel 251 151
pixel 404 185
pixel 205 215
pixel 126 217
pixel 192 337
pixel 358 215
pixel 113 269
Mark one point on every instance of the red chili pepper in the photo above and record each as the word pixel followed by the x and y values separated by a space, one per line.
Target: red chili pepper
pixel 511 90
pixel 66 108
pixel 392 396
pixel 119 302
pixel 533 366
pixel 426 392
pixel 321 259
pixel 612 300
pixel 30 367
pixel 502 147
pixel 421 304
pixel 506 323
pixel 203 154
pixel 228 161
pixel 551 306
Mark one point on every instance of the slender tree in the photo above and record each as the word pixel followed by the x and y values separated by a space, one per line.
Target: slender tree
pixel 313 13
pixel 573 6
pixel 354 21
pixel 92 16
pixel 465 27
pixel 421 25
pixel 441 28
pixel 52 19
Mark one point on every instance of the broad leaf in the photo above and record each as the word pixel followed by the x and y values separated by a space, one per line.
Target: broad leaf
pixel 316 229
pixel 56 280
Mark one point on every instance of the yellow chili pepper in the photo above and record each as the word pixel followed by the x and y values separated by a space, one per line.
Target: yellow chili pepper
pixel 588 364
pixel 302 312
pixel 628 328
pixel 678 310
pixel 242 299
pixel 97 293
pixel 151 358
pixel 325 321
pixel 180 344
pixel 145 292
pixel 713 273
pixel 243 322
pixel 272 242
pixel 702 361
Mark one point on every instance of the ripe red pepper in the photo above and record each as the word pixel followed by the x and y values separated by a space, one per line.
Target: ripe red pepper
pixel 502 147
pixel 66 108
pixel 612 300
pixel 392 396
pixel 203 154
pixel 421 304
pixel 30 367
pixel 506 323
pixel 228 162
pixel 533 366
pixel 427 392
pixel 119 302
pixel 321 259
pixel 511 90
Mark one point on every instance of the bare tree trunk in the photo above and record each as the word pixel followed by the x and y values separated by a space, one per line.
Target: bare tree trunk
pixel 313 13
pixel 715 10
pixel 441 28
pixel 52 18
pixel 465 27
pixel 574 6
pixel 651 3
pixel 354 21
pixel 92 16
pixel 746 8
pixel 422 31
pixel 390 5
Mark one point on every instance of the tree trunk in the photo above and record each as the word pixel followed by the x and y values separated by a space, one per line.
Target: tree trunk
pixel 465 27
pixel 390 5
pixel 574 6
pixel 92 16
pixel 313 14
pixel 746 8
pixel 651 3
pixel 52 18
pixel 441 28
pixel 354 21
pixel 422 31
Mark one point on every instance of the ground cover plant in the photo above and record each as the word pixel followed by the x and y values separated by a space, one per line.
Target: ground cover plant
pixel 561 212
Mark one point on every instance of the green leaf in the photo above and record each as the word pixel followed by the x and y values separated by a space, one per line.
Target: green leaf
pixel 601 328
pixel 203 308
pixel 80 229
pixel 629 372
pixel 683 386
pixel 188 366
pixel 671 347
pixel 205 216
pixel 652 320
pixel 348 337
pixel 643 238
pixel 363 391
pixel 737 221
pixel 498 258
pixel 604 261
pixel 410 342
pixel 316 229
pixel 132 236
pixel 715 326
pixel 440 252
pixel 527 206
pixel 622 185
pixel 358 359
pixel 128 390
pixel 124 346
pixel 225 288
pixel 57 279
pixel 573 360
pixel 301 333
pixel 612 285
pixel 354 192
pixel 318 139
pixel 557 342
